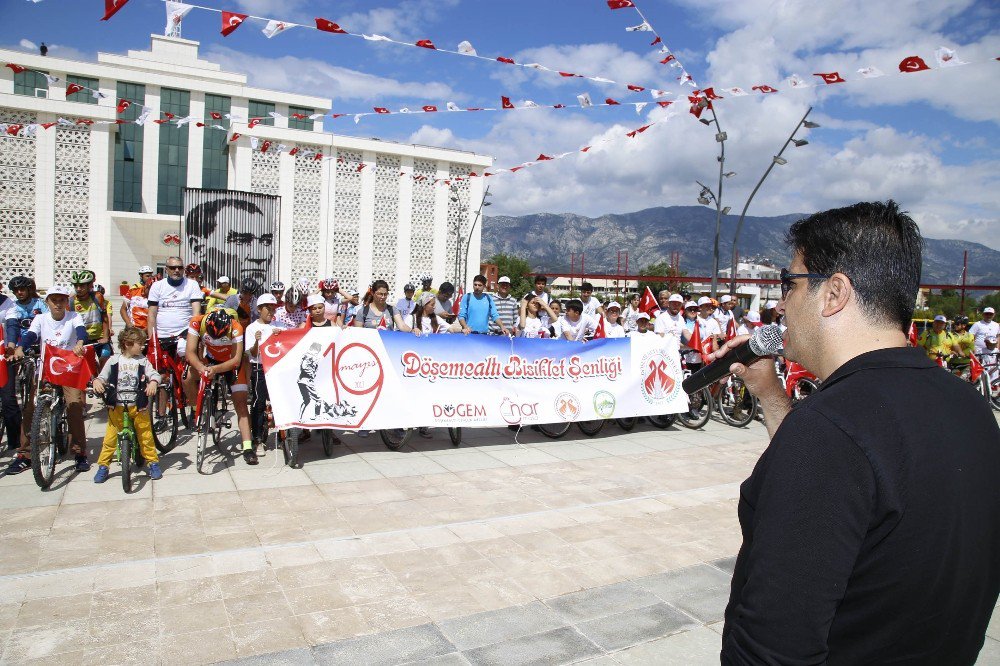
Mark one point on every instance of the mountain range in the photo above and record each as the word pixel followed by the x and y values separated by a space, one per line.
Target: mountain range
pixel 547 241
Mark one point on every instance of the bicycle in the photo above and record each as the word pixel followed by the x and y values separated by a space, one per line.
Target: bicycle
pixel 127 451
pixel 991 370
pixel 965 372
pixel 289 445
pixel 26 376
pixel 209 414
pixel 170 393
pixel 395 438
pixel 737 406
pixel 799 383
pixel 49 433
pixel 700 405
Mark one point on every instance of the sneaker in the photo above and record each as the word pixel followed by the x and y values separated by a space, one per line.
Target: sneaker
pixel 18 465
pixel 249 456
pixel 424 432
pixel 102 474
pixel 82 464
pixel 155 473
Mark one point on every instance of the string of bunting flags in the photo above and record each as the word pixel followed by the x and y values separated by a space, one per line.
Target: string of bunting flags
pixel 668 57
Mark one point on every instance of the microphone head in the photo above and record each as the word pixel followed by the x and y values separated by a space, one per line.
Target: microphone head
pixel 766 340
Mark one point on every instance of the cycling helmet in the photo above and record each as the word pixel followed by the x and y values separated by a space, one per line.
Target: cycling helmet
pixel 99 288
pixel 83 277
pixel 304 285
pixel 192 271
pixel 278 285
pixel 961 319
pixel 427 279
pixel 329 283
pixel 144 269
pixel 219 323
pixel 21 282
pixel 250 286
pixel 409 287
pixel 294 295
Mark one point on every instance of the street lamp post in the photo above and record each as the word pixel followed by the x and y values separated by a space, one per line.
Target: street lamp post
pixel 776 160
pixel 468 241
pixel 720 137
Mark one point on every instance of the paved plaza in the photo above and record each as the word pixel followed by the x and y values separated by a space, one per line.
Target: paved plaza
pixel 604 550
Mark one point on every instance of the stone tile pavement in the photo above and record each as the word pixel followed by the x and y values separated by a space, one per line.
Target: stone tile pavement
pixel 612 549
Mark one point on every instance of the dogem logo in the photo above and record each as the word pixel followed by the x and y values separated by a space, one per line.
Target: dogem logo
pixel 604 404
pixel 658 371
pixel 467 412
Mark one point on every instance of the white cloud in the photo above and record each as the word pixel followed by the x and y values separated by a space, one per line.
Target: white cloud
pixel 316 77
pixel 404 21
pixel 605 59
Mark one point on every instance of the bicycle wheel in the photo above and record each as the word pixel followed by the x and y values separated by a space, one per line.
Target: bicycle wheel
pixel 60 429
pixel 25 381
pixel 43 445
pixel 455 435
pixel 327 437
pixel 983 387
pixel 628 423
pixel 218 412
pixel 995 394
pixel 125 455
pixel 737 406
pixel 165 426
pixel 395 438
pixel 591 428
pixel 289 448
pixel 554 430
pixel 803 389
pixel 207 426
pixel 699 410
pixel 662 420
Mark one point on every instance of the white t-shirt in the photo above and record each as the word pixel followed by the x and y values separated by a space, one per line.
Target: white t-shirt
pixel 173 305
pixel 534 328
pixel 60 334
pixel 426 326
pixel 981 330
pixel 331 309
pixel 544 297
pixel 590 307
pixel 709 327
pixel 584 326
pixel 670 325
pixel 631 317
pixel 250 335
pixel 613 330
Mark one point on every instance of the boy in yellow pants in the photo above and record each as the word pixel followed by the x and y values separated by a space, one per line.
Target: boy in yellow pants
pixel 130 379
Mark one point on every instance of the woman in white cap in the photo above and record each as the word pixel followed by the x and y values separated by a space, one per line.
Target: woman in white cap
pixel 751 322
pixel 316 305
pixel 612 326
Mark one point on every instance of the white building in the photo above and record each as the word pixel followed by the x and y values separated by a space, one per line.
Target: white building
pixel 108 197
pixel 752 296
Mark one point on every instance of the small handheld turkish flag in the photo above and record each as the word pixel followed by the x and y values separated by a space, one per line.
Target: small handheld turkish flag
pixel 506 103
pixel 975 368
pixel 123 104
pixel 912 64
pixel 599 331
pixel 231 21
pixel 329 26
pixel 111 8
pixel 73 88
pixel 829 77
pixel 731 328
pixel 63 367
pixel 912 337
pixel 694 342
pixel 647 303
pixel 620 4
pixel 426 44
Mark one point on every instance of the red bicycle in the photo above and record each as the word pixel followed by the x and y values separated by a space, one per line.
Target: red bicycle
pixel 799 383
pixel 169 406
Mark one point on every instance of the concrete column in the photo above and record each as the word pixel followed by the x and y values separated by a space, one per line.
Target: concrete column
pixel 404 225
pixel 326 211
pixel 45 204
pixel 443 264
pixel 286 188
pixel 196 140
pixel 151 151
pixel 239 154
pixel 99 234
pixel 366 220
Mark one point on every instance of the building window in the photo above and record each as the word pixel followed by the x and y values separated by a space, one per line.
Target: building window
pixel 82 96
pixel 300 123
pixel 128 151
pixel 262 110
pixel 32 84
pixel 215 149
pixel 173 152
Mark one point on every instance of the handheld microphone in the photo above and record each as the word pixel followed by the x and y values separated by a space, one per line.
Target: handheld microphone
pixel 765 341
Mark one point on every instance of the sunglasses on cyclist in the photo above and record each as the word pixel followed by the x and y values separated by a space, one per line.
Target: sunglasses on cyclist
pixel 174 268
pixel 787 279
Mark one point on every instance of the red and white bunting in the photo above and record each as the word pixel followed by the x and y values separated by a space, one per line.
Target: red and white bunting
pixel 668 58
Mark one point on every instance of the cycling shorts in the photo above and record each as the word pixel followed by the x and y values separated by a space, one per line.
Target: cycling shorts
pixel 236 379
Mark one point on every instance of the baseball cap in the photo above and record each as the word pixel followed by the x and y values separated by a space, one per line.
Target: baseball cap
pixel 989 310
pixel 770 305
pixel 704 300
pixel 940 318
pixel 58 289
pixel 675 298
pixel 314 299
pixel 725 298
pixel 266 299
pixel 145 269
pixel 992 339
pixel 223 279
pixel 613 305
pixel 504 279
pixel 690 304
pixel 753 317
pixel 642 315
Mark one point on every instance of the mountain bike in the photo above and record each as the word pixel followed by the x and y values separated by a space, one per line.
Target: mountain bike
pixel 128 451
pixel 737 406
pixel 991 369
pixel 210 415
pixel 799 383
pixel 395 438
pixel 169 398
pixel 49 433
pixel 26 376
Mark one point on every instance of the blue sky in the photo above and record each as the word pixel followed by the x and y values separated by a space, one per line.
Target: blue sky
pixel 928 140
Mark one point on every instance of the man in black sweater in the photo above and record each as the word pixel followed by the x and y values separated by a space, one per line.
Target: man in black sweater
pixel 871 524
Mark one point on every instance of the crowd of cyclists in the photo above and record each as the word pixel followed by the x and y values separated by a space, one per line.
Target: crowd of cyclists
pixel 176 327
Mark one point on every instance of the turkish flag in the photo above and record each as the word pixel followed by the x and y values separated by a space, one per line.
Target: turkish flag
pixel 430 108
pixel 253 123
pixel 647 303
pixel 111 8
pixel 48 125
pixel 235 136
pixel 279 344
pixel 73 88
pixel 17 69
pixel 62 367
pixel 610 102
pixel 620 4
pixel 635 88
pixel 696 107
pixel 318 157
pixel 731 328
pixel 382 109
pixel 668 59
pixel 912 64
pixel 426 44
pixel 294 151
pixel 568 74
pixel 764 89
pixel 975 368
pixel 599 331
pixel 664 104
pixel 506 103
pixel 123 104
pixel 231 21
pixel 912 337
pixel 457 305
pixel 13 130
pixel 329 26
pixel 361 167
pixel 694 342
pixel 84 121
pixel 829 77
pixel 509 61
pixel 266 146
pixel 216 115
pixel 299 116
pixel 542 157
pixel 709 93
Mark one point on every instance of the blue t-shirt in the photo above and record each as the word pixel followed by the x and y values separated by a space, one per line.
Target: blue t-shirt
pixel 478 312
pixel 19 316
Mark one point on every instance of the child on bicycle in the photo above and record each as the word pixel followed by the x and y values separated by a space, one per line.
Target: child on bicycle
pixel 128 379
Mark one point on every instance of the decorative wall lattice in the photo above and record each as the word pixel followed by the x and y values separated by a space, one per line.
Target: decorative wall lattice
pixel 265 175
pixel 17 198
pixel 344 237
pixel 422 220
pixel 71 249
pixel 386 224
pixel 306 213
pixel 458 220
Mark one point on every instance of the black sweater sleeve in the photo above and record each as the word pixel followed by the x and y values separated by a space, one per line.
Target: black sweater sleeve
pixel 812 497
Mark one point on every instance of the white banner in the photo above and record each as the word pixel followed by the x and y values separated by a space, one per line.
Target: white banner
pixel 362 378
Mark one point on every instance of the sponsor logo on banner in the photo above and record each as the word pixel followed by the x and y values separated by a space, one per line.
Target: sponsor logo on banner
pixel 658 371
pixel 567 406
pixel 515 413
pixel 604 404
pixel 466 412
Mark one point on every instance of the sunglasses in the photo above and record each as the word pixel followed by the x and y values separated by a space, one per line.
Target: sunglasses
pixel 174 268
pixel 787 279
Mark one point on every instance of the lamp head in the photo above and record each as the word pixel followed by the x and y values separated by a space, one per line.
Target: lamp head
pixel 780 161
pixel 810 124
pixel 799 142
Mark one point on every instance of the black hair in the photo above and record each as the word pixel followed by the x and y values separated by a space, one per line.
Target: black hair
pixel 877 246
pixel 446 288
pixel 541 278
pixel 480 278
pixel 202 219
pixel 575 304
pixel 586 286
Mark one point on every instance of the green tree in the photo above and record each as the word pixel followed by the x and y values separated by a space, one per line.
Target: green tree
pixel 990 300
pixel 662 268
pixel 517 269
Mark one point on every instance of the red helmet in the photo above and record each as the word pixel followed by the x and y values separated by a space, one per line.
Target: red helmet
pixel 219 324
pixel 329 283
pixel 192 271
